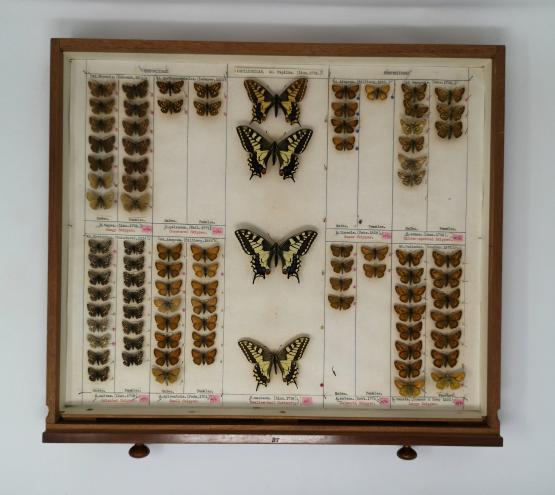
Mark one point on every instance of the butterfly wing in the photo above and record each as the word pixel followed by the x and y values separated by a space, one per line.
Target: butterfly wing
pixel 288 149
pixel 261 357
pixel 290 98
pixel 258 147
pixel 288 356
pixel 262 100
pixel 259 249
pixel 291 250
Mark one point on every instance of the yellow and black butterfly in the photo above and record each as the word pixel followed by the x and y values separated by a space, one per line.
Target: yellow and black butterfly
pixel 374 253
pixel 444 299
pixel 135 327
pixel 413 126
pixel 207 357
pixel 264 252
pixel 264 360
pixel 207 108
pixel 167 358
pixel 202 270
pixel 411 178
pixel 170 341
pixel 102 294
pixel 374 270
pixel 204 305
pixel 133 147
pixel 448 380
pixel 342 303
pixel 100 261
pixel 170 87
pixel 170 106
pixel 411 388
pixel 343 126
pixel 261 151
pixel 341 250
pixel 414 92
pixel 450 112
pixel 342 266
pixel 138 90
pixel 448 259
pixel 170 270
pixel 131 203
pixel 98 374
pixel 132 127
pixel 204 323
pixel 444 320
pixel 205 254
pixel 412 164
pixel 131 183
pixel 409 294
pixel 99 278
pixel 347 91
pixel 98 357
pixel 448 95
pixel 98 325
pixel 99 341
pixel 415 110
pixel 101 106
pixel 263 100
pixel 343 144
pixel 169 288
pixel 446 278
pixel 133 296
pixel 135 109
pixel 447 130
pixel 408 370
pixel 207 90
pixel 344 109
pixel 135 166
pixel 101 90
pixel 134 247
pixel 410 313
pixel 412 258
pixel 207 340
pixel 166 376
pixel 136 279
pixel 102 246
pixel 132 358
pixel 102 125
pixel 131 344
pixel 167 323
pixel 133 263
pixel 444 359
pixel 377 92
pixel 443 340
pixel 411 144
pixel 135 312
pixel 104 181
pixel 104 164
pixel 340 284
pixel 409 332
pixel 409 351
pixel 99 145
pixel 200 289
pixel 167 305
pixel 166 252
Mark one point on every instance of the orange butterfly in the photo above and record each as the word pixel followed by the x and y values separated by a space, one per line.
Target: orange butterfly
pixel 342 266
pixel 204 340
pixel 443 359
pixel 203 306
pixel 444 299
pixel 167 322
pixel 167 358
pixel 443 340
pixel 374 253
pixel 409 276
pixel 169 341
pixel 207 357
pixel 205 254
pixel 448 259
pixel 409 332
pixel 166 252
pixel 411 257
pixel 340 302
pixel 409 294
pixel 204 323
pixel 444 320
pixel 408 370
pixel 341 251
pixel 371 271
pixel 208 289
pixel 340 284
pixel 409 388
pixel 444 279
pixel 410 313
pixel 409 351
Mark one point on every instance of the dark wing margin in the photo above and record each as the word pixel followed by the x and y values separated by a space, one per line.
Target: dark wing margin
pixel 262 100
pixel 258 148
pixel 259 249
pixel 287 359
pixel 290 98
pixel 288 149
pixel 291 250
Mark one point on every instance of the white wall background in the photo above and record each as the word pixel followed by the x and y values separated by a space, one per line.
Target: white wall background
pixel 524 465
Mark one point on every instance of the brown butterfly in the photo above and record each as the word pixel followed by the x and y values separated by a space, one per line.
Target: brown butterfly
pixel 204 323
pixel 412 258
pixel 414 92
pixel 447 259
pixel 448 130
pixel 167 358
pixel 104 164
pixel 449 95
pixel 409 332
pixel 443 340
pixel 170 87
pixel 409 276
pixel 135 109
pixel 135 312
pixel 98 357
pixel 415 110
pixel 340 302
pixel 99 341
pixel 131 344
pixel 166 376
pixel 99 145
pixel 135 166
pixel 348 109
pixel 168 288
pixel 341 251
pixel 131 183
pixel 101 246
pixel 409 388
pixel 100 294
pixel 444 320
pixel 134 263
pixel 410 313
pixel 200 289
pixel 102 125
pixel 98 374
pixel 443 299
pixel 374 253
pixel 98 325
pixel 98 309
pixel 170 106
pixel 134 247
pixel 204 254
pixel 170 341
pixel 448 380
pixel 444 359
pixel 374 270
pixel 205 270
pixel 167 305
pixel 409 351
pixel 138 90
pixel 343 144
pixel 170 270
pixel 208 108
pixel 135 327
pixel 104 181
pixel 167 322
pixel 412 164
pixel 102 106
pixel 411 144
pixel 344 126
pixel 343 266
pixel 204 340
pixel 100 261
pixel 340 284
pixel 132 358
pixel 408 370
pixel 444 279
pixel 131 203
pixel 203 306
pixel 210 90
pixel 377 92
pixel 450 112
pixel 133 296
pixel 411 178
pixel 413 126
pixel 409 294
pixel 166 252
pixel 136 279
pixel 133 147
pixel 207 357
pixel 138 127
pixel 99 278
pixel 100 90
pixel 347 91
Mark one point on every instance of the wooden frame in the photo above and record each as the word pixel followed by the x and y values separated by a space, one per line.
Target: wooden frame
pixel 270 429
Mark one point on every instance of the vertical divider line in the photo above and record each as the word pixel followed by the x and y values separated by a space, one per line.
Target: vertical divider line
pixel 84 239
pixel 151 347
pixel 392 231
pixel 222 337
pixel 184 278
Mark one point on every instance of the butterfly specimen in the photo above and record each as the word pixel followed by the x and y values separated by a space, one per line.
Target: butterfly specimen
pixel 134 247
pixel 170 341
pixel 207 340
pixel 105 180
pixel 167 305
pixel 133 296
pixel 447 259
pixel 100 325
pixel 205 270
pixel 100 201
pixel 167 358
pixel 444 359
pixel 200 357
pixel 342 266
pixel 412 164
pixel 409 276
pixel 415 110
pixel 409 351
pixel 265 360
pixel 131 203
pixel 99 145
pixel 166 252
pixel 409 332
pixel 408 370
pixel 207 90
pixel 100 90
pixel 340 302
pixel 411 178
pixel 100 246
pixel 341 251
pixel 205 254
pixel 203 306
pixel 446 300
pixel 264 252
pixel 347 109
pixel 171 106
pixel 131 183
pixel 377 92
pixel 138 90
pixel 374 270
pixel 343 144
pixel 447 130
pixel 411 144
pixel 410 294
pixel 135 109
pixel 132 147
pixel 132 358
pixel 168 288
pixel 98 374
pixel 444 320
pixel 448 95
pixel 166 376
pixel 103 164
pixel 412 258
pixel 414 92
pixel 200 289
pixel 135 327
pixel 448 380
pixel 340 284
pixel 131 344
pixel 99 341
pixel 133 311
pixel 413 126
pixel 410 313
pixel 170 87
pixel 288 101
pixel 341 126
pixel 170 270
pixel 347 91
pixel 102 125
pixel 138 127
pixel 204 323
pixel 167 322
pixel 261 151
pixel 450 112
pixel 102 106
pixel 207 108
pixel 447 278
pixel 374 253
pixel 134 263
pixel 443 340
pixel 134 279
pixel 98 309
pixel 135 166
pixel 409 388
pixel 99 294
